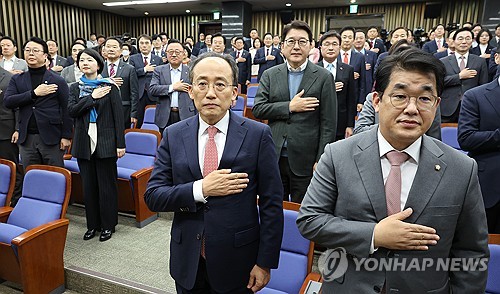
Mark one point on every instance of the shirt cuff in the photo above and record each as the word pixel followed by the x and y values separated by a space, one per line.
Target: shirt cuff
pixel 198 191
pixel 170 88
pixel 372 244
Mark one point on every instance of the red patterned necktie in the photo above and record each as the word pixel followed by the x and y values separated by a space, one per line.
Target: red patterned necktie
pixel 393 183
pixel 346 59
pixel 237 54
pixel 112 70
pixel 145 60
pixel 209 165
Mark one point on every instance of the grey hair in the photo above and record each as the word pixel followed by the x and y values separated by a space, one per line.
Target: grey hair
pixel 228 58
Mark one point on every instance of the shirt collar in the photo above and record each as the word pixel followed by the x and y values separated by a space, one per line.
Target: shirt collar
pixel 326 63
pixel 413 150
pixel 342 52
pixel 175 69
pixel 458 55
pixel 115 63
pixel 222 125
pixel 148 56
pixel 302 67
pixel 13 58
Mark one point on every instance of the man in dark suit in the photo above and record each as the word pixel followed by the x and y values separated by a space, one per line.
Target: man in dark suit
pixel 469 72
pixel 344 83
pixel 356 60
pixel 299 100
pixel 451 47
pixel 45 127
pixel 439 43
pixel 244 62
pixel 125 77
pixel 267 56
pixel 370 59
pixel 9 135
pixel 209 170
pixel 254 34
pixel 58 62
pixel 478 128
pixel 376 45
pixel 199 45
pixel 170 85
pixel 495 41
pixel 144 64
pixel 417 201
pixel 157 48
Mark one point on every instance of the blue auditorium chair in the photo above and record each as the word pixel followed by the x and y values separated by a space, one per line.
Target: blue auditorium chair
pixel 7 181
pixel 241 103
pixel 296 258
pixel 493 282
pixel 251 92
pixel 33 234
pixel 149 119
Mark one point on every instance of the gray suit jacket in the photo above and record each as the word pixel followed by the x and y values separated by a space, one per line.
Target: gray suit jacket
pixel 346 199
pixel 307 133
pixel 8 117
pixel 454 87
pixel 129 91
pixel 68 74
pixel 160 83
pixel 19 64
pixel 368 119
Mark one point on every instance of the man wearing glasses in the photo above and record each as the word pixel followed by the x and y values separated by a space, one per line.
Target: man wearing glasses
pixel 298 99
pixel 170 84
pixel 398 197
pixel 209 170
pixel 45 127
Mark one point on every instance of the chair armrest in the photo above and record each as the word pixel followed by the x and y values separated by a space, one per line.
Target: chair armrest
pixel 39 231
pixel 67 157
pixel 142 172
pixel 4 213
pixel 310 277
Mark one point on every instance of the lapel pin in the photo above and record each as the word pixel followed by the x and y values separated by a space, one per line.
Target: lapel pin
pixel 437 167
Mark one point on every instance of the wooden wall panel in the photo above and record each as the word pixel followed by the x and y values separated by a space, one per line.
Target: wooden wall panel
pixel 407 14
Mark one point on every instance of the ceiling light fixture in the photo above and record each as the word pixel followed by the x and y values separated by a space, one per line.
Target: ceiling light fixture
pixel 146 13
pixel 288 4
pixel 353 1
pixel 126 3
pixel 188 11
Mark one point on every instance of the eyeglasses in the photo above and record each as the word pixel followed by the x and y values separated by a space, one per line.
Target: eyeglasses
pixel 292 42
pixel 218 86
pixel 34 50
pixel 424 103
pixel 177 52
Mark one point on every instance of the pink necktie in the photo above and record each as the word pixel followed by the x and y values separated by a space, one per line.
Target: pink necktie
pixel 209 165
pixel 462 63
pixel 346 59
pixel 438 43
pixel 393 183
pixel 112 70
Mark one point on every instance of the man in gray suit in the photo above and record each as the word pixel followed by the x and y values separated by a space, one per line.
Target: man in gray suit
pixel 463 72
pixel 125 77
pixel 9 61
pixel 298 99
pixel 58 62
pixel 170 84
pixel 430 211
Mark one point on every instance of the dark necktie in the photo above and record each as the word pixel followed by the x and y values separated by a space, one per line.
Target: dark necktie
pixel 112 70
pixel 145 60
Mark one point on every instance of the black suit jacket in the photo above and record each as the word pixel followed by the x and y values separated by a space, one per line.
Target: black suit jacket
pixel 144 78
pixel 260 59
pixel 51 111
pixel 357 61
pixel 346 98
pixel 129 91
pixel 244 68
pixel 378 44
pixel 432 47
pixel 8 117
pixel 110 126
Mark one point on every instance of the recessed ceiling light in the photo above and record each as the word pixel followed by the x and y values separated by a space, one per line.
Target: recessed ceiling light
pixel 188 11
pixel 125 3
pixel 146 13
pixel 353 1
pixel 288 4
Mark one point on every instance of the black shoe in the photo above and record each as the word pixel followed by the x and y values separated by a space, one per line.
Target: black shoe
pixel 89 234
pixel 105 235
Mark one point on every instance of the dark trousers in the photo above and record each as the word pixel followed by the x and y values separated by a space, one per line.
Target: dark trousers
pixel 243 88
pixel 493 218
pixel 34 151
pixel 293 185
pixel 202 285
pixel 100 192
pixel 126 116
pixel 452 118
pixel 172 119
pixel 10 152
pixel 144 101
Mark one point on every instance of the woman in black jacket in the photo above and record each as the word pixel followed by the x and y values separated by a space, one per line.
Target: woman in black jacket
pixel 95 104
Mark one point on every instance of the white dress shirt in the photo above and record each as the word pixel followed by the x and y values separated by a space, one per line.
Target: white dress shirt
pixel 457 56
pixel 175 76
pixel 334 69
pixel 349 54
pixel 482 48
pixel 8 64
pixel 149 60
pixel 220 142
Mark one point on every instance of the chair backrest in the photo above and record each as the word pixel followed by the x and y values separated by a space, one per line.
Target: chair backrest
pixel 140 150
pixel 239 107
pixel 449 137
pixel 7 181
pixel 296 255
pixel 45 196
pixel 149 119
pixel 252 91
pixel 493 282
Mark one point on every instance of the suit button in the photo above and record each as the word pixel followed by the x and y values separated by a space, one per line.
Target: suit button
pixel 376 289
pixel 198 237
pixel 207 208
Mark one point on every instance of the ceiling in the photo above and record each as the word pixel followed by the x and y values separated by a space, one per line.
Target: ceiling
pixel 209 6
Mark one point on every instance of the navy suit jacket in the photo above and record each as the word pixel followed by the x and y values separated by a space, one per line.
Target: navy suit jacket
pixel 51 111
pixel 357 61
pixel 144 79
pixel 237 236
pixel 260 59
pixel 432 47
pixel 370 58
pixel 380 45
pixel 244 68
pixel 440 55
pixel 479 133
pixel 159 88
pixel 129 90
